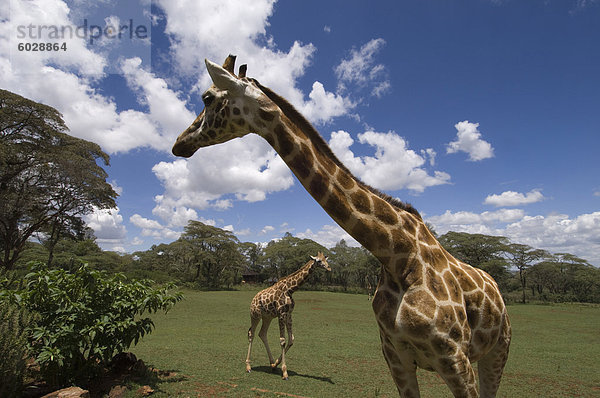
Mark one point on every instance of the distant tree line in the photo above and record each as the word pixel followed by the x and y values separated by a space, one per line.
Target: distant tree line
pixel 206 257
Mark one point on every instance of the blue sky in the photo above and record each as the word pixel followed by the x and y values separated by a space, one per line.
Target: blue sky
pixel 483 114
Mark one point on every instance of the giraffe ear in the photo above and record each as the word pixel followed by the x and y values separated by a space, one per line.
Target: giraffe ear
pixel 222 78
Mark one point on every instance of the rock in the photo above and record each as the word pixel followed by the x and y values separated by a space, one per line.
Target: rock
pixel 70 392
pixel 117 392
pixel 144 391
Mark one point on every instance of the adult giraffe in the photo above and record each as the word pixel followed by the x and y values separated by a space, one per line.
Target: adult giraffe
pixel 433 311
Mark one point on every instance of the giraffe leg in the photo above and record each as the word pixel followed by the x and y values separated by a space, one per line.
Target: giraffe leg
pixel 254 323
pixel 290 340
pixel 404 374
pixel 282 324
pixel 490 367
pixel 457 372
pixel 266 321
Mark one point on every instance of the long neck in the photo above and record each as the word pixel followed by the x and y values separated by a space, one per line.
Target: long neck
pixel 384 226
pixel 293 281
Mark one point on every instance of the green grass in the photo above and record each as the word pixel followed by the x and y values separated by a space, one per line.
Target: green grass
pixel 555 350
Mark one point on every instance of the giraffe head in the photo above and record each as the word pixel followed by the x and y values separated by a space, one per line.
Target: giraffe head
pixel 233 107
pixel 321 260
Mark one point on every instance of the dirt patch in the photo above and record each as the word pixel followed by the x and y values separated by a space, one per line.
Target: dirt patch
pixel 213 390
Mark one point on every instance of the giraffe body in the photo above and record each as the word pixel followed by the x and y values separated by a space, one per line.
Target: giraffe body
pixel 433 311
pixel 277 302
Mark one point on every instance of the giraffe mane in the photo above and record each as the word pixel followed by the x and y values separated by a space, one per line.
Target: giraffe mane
pixel 296 117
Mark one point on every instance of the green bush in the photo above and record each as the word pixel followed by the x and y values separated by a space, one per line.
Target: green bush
pixel 14 321
pixel 13 348
pixel 86 317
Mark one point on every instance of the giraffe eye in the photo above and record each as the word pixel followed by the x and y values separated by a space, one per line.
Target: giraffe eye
pixel 208 99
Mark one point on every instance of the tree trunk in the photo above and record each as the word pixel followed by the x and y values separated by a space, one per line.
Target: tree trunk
pixel 523 283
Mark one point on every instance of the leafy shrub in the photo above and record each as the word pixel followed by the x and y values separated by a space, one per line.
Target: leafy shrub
pixel 87 316
pixel 13 340
pixel 13 348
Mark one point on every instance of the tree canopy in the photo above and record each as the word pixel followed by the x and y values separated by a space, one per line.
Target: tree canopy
pixel 48 179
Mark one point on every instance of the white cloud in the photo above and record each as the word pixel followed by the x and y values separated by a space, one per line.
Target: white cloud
pixel 175 219
pixel 153 228
pixel 208 29
pixel 323 106
pixel 33 15
pixel 381 88
pixel 181 216
pixel 108 227
pixel 429 152
pixel 286 227
pixel 201 181
pixel 393 167
pixel 554 232
pixel 237 233
pixel 213 29
pixel 581 5
pixel 162 234
pixel 267 229
pixel 167 112
pixel 560 233
pixel 466 221
pixel 328 236
pixel 142 222
pixel 468 139
pixel 512 198
pixel 361 70
pixel 67 81
pixel 136 241
pixel 116 187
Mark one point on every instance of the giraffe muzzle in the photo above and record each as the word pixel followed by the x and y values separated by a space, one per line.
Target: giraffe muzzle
pixel 180 149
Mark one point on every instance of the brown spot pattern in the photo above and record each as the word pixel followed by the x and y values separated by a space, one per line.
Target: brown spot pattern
pixel 345 180
pixel 265 115
pixel 361 201
pixel 319 185
pixel 384 211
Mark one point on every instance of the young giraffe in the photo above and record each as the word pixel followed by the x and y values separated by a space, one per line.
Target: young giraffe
pixel 277 302
pixel 433 311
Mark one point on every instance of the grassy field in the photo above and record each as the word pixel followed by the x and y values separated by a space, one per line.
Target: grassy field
pixel 202 342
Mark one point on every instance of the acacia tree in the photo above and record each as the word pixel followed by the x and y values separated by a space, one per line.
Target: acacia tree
pixel 284 256
pixel 252 253
pixel 523 257
pixel 48 179
pixel 474 249
pixel 346 264
pixel 213 252
pixel 353 266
